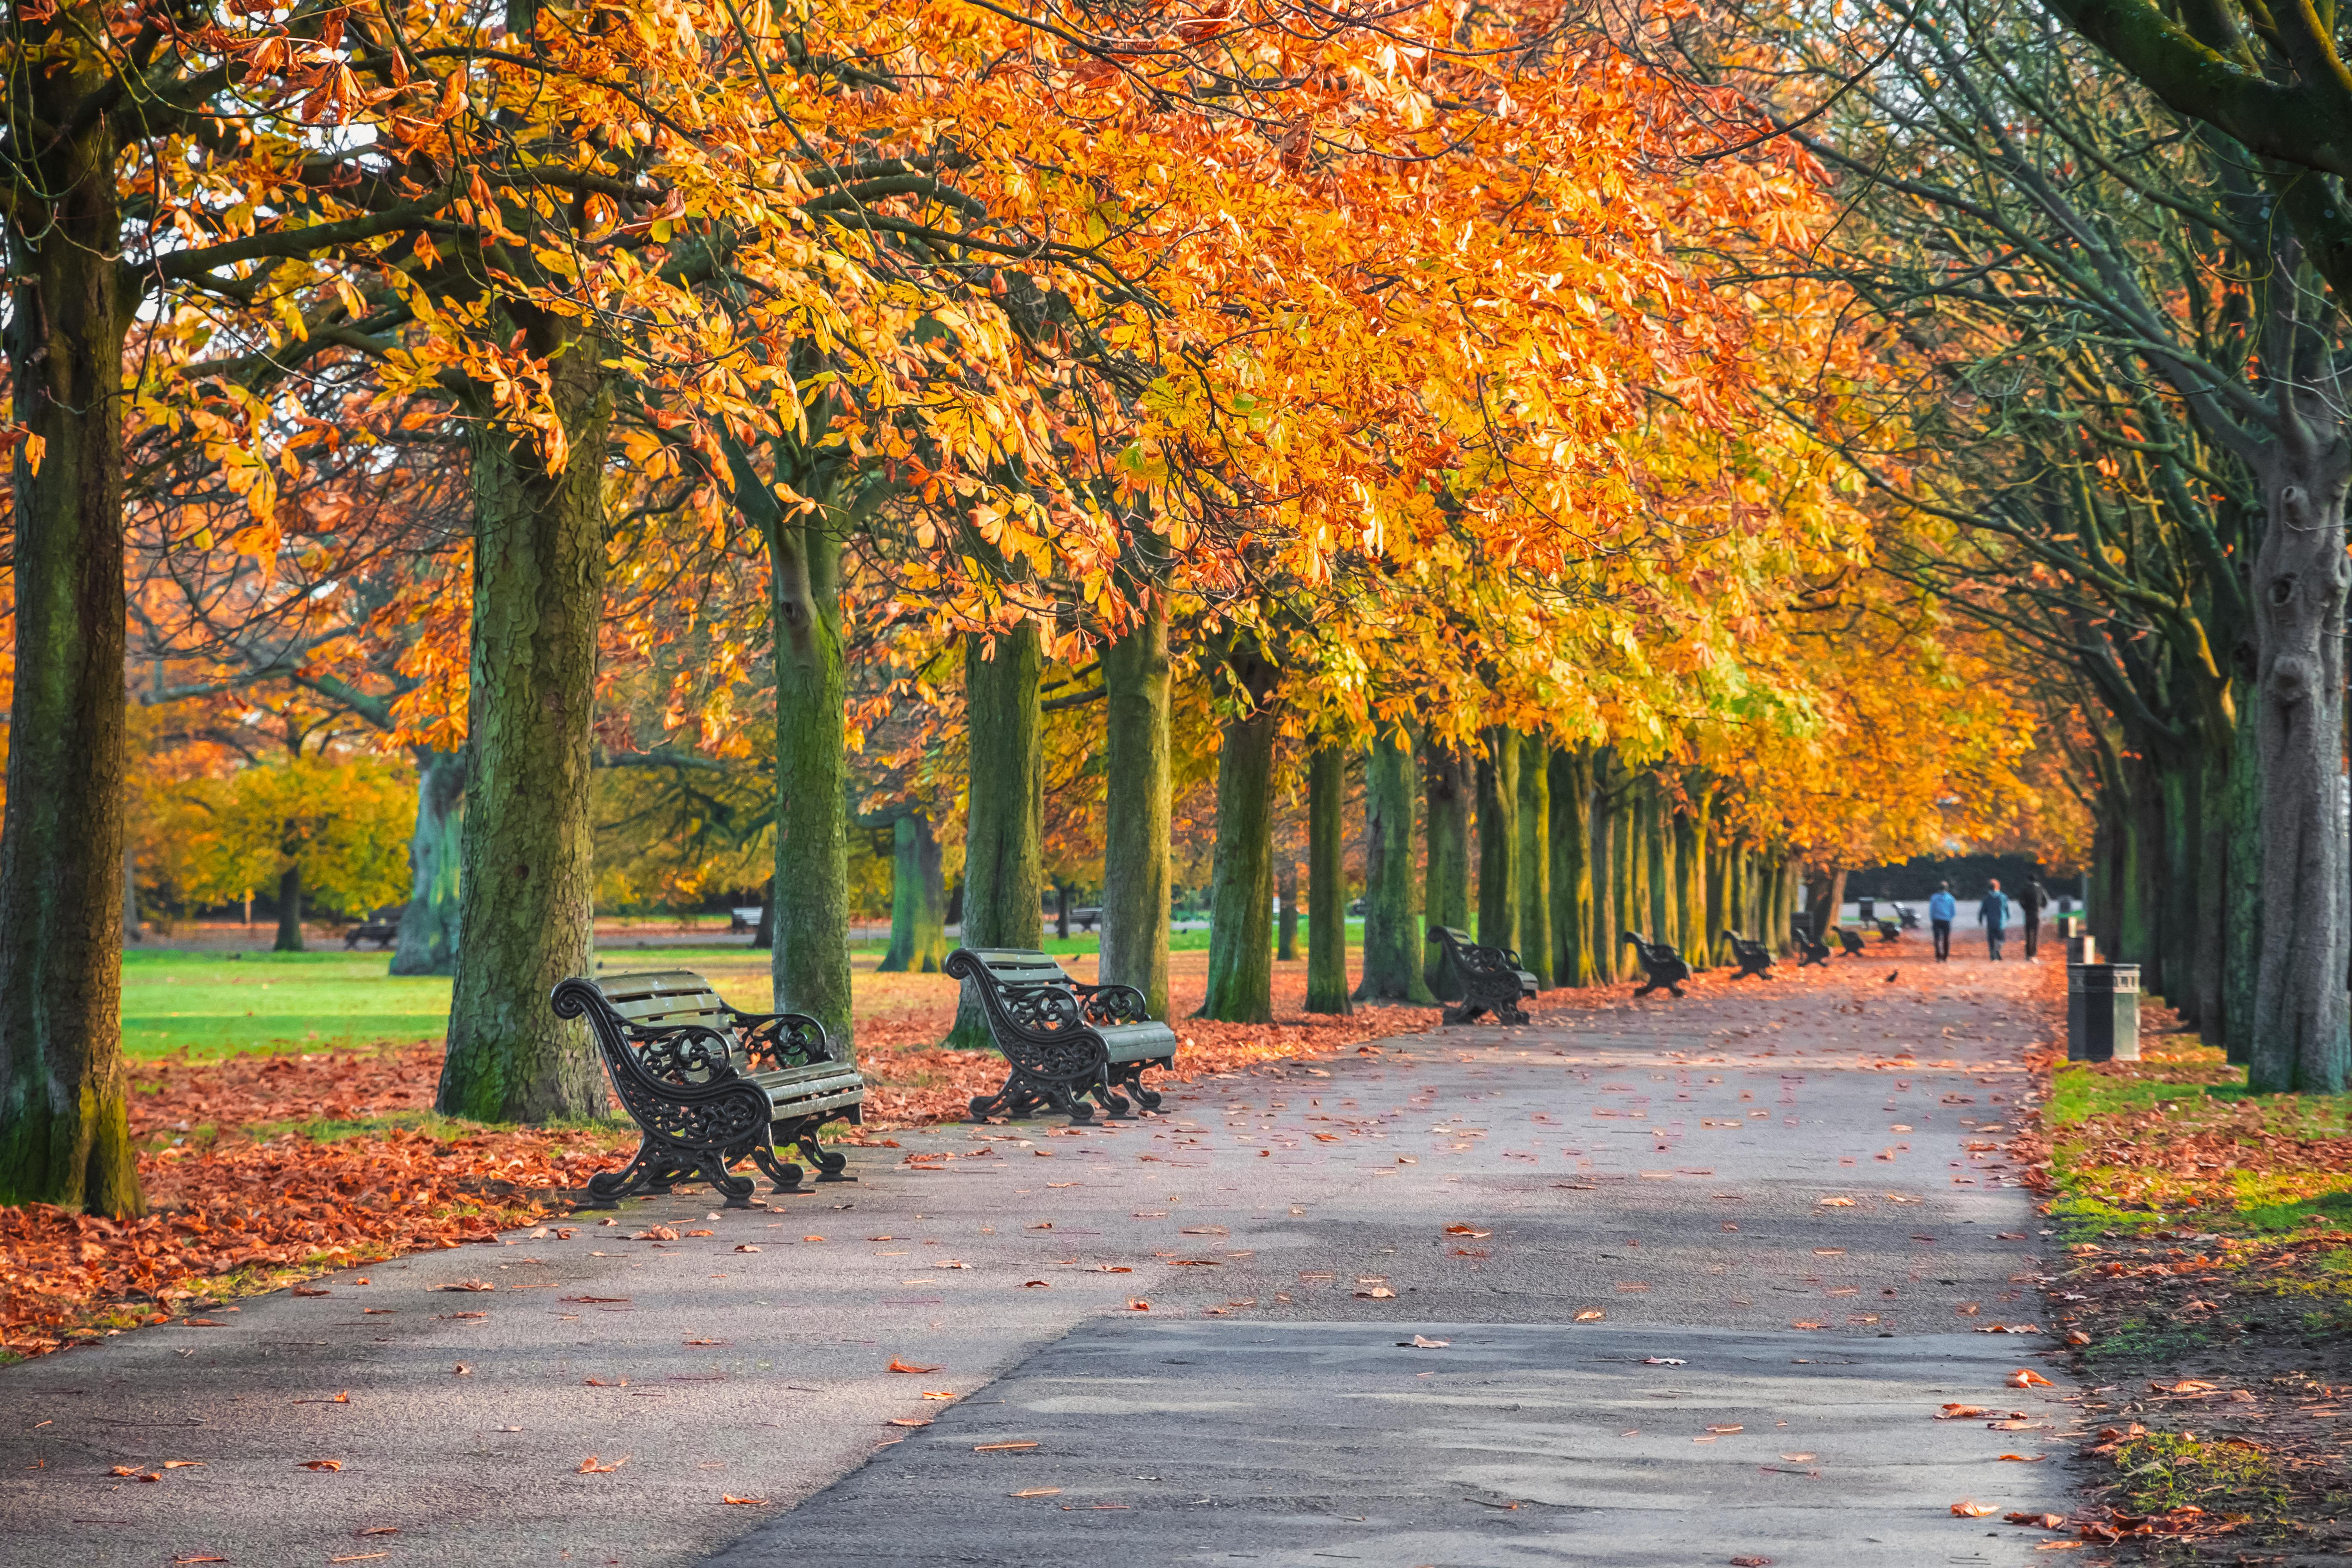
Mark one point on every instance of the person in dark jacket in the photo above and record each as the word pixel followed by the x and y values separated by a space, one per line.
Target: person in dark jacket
pixel 1992 913
pixel 2031 900
pixel 1941 907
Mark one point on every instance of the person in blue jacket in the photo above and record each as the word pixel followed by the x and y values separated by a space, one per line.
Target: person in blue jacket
pixel 1942 909
pixel 1993 915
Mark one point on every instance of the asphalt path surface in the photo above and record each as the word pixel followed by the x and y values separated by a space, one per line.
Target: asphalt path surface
pixel 1792 1196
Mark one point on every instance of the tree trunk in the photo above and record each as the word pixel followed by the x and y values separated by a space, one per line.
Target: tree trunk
pixel 1004 853
pixel 2241 895
pixel 527 919
pixel 1135 812
pixel 1571 867
pixel 1697 941
pixel 1498 840
pixel 763 929
pixel 808 967
pixel 427 943
pixel 1658 860
pixel 1061 911
pixel 1606 853
pixel 2300 575
pixel 1327 875
pixel 290 911
pixel 1445 888
pixel 1396 964
pixel 1533 872
pixel 919 943
pixel 1285 893
pixel 1241 884
pixel 64 1136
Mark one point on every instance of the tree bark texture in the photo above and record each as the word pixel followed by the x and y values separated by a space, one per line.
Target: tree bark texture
pixel 1396 963
pixel 1445 888
pixel 1004 855
pixel 1571 867
pixel 1533 873
pixel 290 911
pixel 1327 876
pixel 1658 858
pixel 1241 885
pixel 2300 576
pixel 1286 925
pixel 1498 840
pixel 763 929
pixel 1135 812
pixel 918 899
pixel 427 943
pixel 808 967
pixel 2241 896
pixel 527 919
pixel 64 1137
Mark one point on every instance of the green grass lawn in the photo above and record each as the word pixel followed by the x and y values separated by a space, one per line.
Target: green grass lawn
pixel 217 1004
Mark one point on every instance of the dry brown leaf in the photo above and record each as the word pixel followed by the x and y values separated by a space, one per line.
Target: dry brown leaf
pixel 2026 1377
pixel 1969 1509
pixel 898 1365
pixel 323 1463
pixel 588 1466
pixel 742 1501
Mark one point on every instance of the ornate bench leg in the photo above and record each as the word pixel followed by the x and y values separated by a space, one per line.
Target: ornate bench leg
pixel 784 1173
pixel 607 1188
pixel 735 1190
pixel 829 1163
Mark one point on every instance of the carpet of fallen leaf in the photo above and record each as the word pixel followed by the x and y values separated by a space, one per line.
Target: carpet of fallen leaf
pixel 248 1190
pixel 2217 1358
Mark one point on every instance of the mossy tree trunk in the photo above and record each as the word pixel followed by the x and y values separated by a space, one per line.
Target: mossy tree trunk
pixel 1004 856
pixel 919 942
pixel 64 1132
pixel 1498 840
pixel 1241 884
pixel 527 919
pixel 1605 855
pixel 290 911
pixel 1327 877
pixel 1286 926
pixel 1533 872
pixel 1658 865
pixel 1571 867
pixel 427 943
pixel 1395 962
pixel 1135 812
pixel 763 929
pixel 1445 888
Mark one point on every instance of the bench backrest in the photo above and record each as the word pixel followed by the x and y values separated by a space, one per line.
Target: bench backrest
pixel 669 999
pixel 1012 966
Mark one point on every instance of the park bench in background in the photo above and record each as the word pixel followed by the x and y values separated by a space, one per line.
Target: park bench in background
pixel 708 1084
pixel 740 919
pixel 381 928
pixel 1810 949
pixel 1888 931
pixel 1755 958
pixel 1660 964
pixel 1850 939
pixel 1493 979
pixel 1086 918
pixel 1062 1040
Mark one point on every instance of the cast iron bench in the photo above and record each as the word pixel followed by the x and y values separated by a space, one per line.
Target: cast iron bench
pixel 380 928
pixel 741 918
pixel 1850 939
pixel 1062 1040
pixel 1810 949
pixel 1661 963
pixel 1493 979
pixel 1755 958
pixel 707 1083
pixel 1909 916
pixel 1888 931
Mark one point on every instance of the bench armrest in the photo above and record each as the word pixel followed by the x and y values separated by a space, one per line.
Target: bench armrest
pixel 772 1040
pixel 1114 1004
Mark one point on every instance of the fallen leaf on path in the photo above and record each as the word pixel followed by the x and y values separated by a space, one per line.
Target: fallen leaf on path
pixel 1035 1285
pixel 898 1365
pixel 467 1285
pixel 600 1382
pixel 1377 1293
pixel 1418 1344
pixel 2046 1520
pixel 655 1233
pixel 1037 1491
pixel 323 1463
pixel 908 1421
pixel 461 1370
pixel 2025 1377
pixel 1796 1459
pixel 1591 1315
pixel 1752 1562
pixel 1836 1203
pixel 1726 1430
pixel 745 1246
pixel 183 1464
pixel 744 1501
pixel 1967 1510
pixel 1465 1230
pixel 1138 1304
pixel 1664 1361
pixel 589 1466
pixel 2026 1458
pixel 1001 1447
pixel 1960 1411
pixel 310 1291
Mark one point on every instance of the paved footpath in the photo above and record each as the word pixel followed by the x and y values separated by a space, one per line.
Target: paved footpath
pixel 1703 1271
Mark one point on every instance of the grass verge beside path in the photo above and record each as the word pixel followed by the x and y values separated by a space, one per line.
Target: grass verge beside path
pixel 2208 1296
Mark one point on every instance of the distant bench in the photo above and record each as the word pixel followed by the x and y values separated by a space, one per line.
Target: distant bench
pixel 1493 979
pixel 380 928
pixel 1661 964
pixel 1062 1041
pixel 1755 957
pixel 708 1084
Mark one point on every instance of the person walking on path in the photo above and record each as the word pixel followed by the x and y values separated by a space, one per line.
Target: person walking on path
pixel 1993 915
pixel 2030 898
pixel 1942 909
